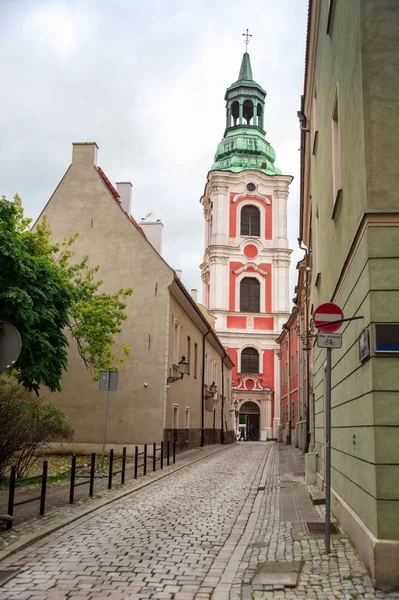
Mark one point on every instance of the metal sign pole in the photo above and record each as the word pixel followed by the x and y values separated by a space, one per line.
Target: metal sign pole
pixel 328 450
pixel 105 425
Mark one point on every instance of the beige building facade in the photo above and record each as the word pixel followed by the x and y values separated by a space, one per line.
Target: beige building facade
pixel 163 325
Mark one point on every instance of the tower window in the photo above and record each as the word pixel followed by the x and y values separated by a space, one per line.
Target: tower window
pixel 249 295
pixel 249 361
pixel 250 221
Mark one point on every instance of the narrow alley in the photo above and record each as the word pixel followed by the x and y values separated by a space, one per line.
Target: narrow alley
pixel 222 528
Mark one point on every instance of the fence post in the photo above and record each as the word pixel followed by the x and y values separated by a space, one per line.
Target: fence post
pixel 11 495
pixel 154 456
pixel 145 460
pixel 161 455
pixel 174 450
pixel 111 464
pixel 44 486
pixel 136 460
pixel 123 465
pixel 92 472
pixel 168 452
pixel 72 486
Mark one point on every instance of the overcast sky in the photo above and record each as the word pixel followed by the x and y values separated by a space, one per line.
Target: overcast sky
pixel 146 81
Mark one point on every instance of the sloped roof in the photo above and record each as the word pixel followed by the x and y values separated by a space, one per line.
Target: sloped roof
pixel 117 197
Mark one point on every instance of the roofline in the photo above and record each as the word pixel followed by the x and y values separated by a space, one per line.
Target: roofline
pixel 188 296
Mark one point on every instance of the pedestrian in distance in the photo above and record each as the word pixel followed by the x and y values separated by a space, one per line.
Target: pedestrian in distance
pixel 250 432
pixel 242 434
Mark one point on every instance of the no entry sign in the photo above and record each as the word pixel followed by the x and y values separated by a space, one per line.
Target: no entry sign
pixel 325 314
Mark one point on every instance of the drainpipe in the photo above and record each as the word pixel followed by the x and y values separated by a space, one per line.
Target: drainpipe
pixel 222 409
pixel 289 386
pixel 307 350
pixel 202 390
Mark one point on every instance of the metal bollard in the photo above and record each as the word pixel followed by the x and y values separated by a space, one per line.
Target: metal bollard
pixel 123 465
pixel 154 456
pixel 11 495
pixel 111 464
pixel 72 484
pixel 44 487
pixel 136 460
pixel 174 450
pixel 92 473
pixel 168 453
pixel 145 460
pixel 161 455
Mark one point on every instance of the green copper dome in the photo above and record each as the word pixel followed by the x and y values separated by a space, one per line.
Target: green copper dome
pixel 244 145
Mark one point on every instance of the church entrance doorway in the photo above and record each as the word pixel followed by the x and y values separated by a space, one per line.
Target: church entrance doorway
pixel 250 415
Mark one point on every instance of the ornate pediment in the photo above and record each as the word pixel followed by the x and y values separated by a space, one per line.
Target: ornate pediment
pixel 253 266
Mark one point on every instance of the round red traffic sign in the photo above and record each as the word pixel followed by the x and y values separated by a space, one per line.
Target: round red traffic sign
pixel 325 315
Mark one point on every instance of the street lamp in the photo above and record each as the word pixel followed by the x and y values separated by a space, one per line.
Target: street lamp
pixel 236 414
pixel 183 366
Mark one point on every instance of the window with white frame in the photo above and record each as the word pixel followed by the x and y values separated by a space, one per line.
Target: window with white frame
pixel 336 149
pixel 188 354
pixel 175 417
pixel 250 295
pixel 187 418
pixel 249 360
pixel 250 221
pixel 176 343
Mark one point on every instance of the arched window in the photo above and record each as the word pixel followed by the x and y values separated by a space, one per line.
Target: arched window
pixel 250 221
pixel 249 361
pixel 249 295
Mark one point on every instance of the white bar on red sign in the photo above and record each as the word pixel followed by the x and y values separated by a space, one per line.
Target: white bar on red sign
pixel 324 317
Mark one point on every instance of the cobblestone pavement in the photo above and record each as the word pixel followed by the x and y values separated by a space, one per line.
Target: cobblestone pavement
pixel 198 534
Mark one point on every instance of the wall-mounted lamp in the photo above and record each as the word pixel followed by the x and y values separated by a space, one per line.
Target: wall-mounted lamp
pixel 212 389
pixel 183 366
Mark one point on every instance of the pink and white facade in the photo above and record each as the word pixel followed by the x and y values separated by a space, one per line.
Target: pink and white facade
pixel 230 260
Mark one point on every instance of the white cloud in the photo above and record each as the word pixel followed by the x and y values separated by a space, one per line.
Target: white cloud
pixel 147 82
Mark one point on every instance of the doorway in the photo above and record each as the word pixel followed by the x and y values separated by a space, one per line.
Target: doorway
pixel 250 415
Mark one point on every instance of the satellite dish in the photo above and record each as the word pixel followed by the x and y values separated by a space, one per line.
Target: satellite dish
pixel 10 345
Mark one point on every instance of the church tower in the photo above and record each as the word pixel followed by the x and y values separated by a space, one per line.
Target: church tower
pixel 246 261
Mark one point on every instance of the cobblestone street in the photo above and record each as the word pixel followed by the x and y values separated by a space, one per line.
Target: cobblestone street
pixel 201 533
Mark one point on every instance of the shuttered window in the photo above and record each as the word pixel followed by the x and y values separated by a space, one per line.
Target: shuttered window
pixel 249 361
pixel 249 295
pixel 250 221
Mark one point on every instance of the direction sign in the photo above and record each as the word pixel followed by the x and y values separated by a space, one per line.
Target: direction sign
pixel 325 314
pixel 329 340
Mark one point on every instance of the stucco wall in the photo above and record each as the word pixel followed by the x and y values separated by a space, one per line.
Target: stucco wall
pixel 82 203
pixel 359 59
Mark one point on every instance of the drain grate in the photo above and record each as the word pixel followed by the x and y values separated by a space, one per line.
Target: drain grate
pixel 6 576
pixel 315 527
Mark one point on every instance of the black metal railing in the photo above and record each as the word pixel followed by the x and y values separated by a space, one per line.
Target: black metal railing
pixel 76 474
pixel 121 471
pixel 80 475
pixel 13 485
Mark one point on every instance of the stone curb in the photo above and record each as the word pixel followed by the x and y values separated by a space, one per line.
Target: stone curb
pixel 32 538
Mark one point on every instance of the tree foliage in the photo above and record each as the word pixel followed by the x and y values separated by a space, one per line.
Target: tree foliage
pixel 27 422
pixel 44 292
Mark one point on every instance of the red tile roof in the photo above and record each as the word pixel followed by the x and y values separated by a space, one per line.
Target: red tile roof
pixel 118 198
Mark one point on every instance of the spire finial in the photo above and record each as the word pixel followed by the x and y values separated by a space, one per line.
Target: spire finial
pixel 247 35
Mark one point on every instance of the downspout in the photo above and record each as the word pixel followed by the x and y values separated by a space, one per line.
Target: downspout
pixel 222 409
pixel 307 348
pixel 289 386
pixel 202 390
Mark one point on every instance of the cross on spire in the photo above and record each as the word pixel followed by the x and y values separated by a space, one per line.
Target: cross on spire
pixel 247 35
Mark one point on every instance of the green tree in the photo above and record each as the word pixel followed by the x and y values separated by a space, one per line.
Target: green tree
pixel 45 294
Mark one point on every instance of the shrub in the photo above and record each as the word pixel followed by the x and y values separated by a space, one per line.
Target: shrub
pixel 27 423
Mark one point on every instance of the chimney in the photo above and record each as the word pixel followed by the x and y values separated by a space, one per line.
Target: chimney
pixel 84 153
pixel 153 231
pixel 194 294
pixel 124 189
